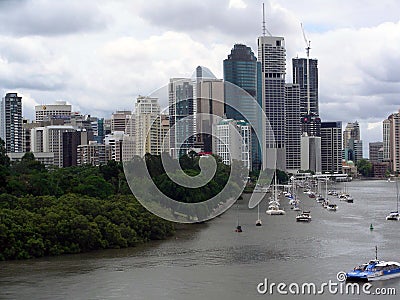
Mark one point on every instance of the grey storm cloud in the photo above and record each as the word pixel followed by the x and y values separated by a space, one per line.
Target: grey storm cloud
pixel 49 18
pixel 36 82
pixel 209 15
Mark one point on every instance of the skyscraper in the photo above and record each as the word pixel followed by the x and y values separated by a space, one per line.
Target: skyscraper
pixel 272 55
pixel 391 139
pixel 147 135
pixel 310 121
pixel 210 108
pixel 11 122
pixel 242 69
pixel 352 143
pixel 292 127
pixel 331 147
pixel 181 116
pixel 386 140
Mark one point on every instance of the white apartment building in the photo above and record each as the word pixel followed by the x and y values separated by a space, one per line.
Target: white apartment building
pixel 233 141
pixel 50 139
pixel 147 137
pixel 94 154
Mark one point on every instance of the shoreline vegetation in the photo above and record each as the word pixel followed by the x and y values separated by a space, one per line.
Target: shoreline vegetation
pixel 55 211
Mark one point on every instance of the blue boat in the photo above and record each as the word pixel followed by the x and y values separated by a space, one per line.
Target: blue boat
pixel 375 270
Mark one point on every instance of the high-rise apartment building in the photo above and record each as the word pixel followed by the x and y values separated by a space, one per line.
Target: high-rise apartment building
pixel 386 140
pixel 147 116
pixel 331 147
pixel 292 127
pixel 242 69
pixel 11 122
pixel 391 138
pixel 59 110
pixel 272 55
pixel 93 153
pixel 181 117
pixel 233 141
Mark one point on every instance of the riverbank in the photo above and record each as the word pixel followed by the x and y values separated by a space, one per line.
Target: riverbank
pixel 48 226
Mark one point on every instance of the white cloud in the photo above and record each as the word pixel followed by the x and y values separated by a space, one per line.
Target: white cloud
pixel 237 4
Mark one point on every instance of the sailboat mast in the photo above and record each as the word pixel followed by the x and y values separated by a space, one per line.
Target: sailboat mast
pixel 326 188
pixel 397 195
pixel 237 208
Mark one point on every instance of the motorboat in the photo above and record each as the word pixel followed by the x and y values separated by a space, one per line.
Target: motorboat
pixel 319 199
pixel 331 207
pixel 375 270
pixel 349 199
pixel 305 216
pixel 275 211
pixel 332 193
pixel 393 216
pixel 346 198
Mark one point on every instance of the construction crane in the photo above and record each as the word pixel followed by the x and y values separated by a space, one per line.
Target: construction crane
pixel 308 70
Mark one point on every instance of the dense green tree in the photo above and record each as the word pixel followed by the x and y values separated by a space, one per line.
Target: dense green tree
pixel 4 159
pixel 364 167
pixel 282 176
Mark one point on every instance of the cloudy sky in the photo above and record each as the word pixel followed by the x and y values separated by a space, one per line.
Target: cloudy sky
pixel 99 55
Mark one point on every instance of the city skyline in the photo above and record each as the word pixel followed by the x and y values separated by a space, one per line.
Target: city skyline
pixel 111 52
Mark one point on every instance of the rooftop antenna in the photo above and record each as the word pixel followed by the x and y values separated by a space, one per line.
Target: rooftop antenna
pixel 264 28
pixel 308 69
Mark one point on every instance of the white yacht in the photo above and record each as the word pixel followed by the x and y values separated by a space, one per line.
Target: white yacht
pixel 305 216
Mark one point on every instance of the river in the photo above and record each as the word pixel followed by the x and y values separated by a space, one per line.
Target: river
pixel 211 261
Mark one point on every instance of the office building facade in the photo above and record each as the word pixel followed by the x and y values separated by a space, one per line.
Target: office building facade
pixel 272 56
pixel 309 110
pixel 352 143
pixel 331 147
pixel 58 110
pixel 181 116
pixel 292 127
pixel 242 69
